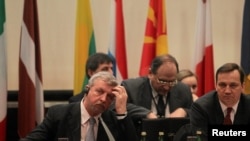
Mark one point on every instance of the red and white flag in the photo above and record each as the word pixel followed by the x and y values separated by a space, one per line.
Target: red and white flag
pixel 203 61
pixel 3 74
pixel 117 48
pixel 30 96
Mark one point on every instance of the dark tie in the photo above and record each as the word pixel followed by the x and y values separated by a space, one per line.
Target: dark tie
pixel 90 133
pixel 160 106
pixel 227 119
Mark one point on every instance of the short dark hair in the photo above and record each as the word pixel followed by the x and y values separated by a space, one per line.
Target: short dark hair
pixel 228 67
pixel 159 60
pixel 95 60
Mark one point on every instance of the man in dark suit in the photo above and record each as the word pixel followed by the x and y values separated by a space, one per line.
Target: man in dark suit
pixel 160 82
pixel 71 121
pixel 211 108
pixel 102 62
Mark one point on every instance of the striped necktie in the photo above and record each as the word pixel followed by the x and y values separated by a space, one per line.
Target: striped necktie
pixel 90 136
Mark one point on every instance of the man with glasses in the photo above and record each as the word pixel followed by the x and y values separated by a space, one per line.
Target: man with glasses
pixel 160 91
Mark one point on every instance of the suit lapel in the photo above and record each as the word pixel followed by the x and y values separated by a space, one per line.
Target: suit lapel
pixel 102 134
pixel 219 115
pixel 145 94
pixel 74 122
pixel 241 117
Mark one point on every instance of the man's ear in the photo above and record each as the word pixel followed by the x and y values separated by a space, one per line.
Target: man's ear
pixel 150 71
pixel 86 90
pixel 90 72
pixel 150 74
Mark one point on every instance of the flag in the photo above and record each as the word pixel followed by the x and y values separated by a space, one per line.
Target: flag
pixel 3 74
pixel 155 40
pixel 117 48
pixel 30 96
pixel 84 43
pixel 245 45
pixel 203 59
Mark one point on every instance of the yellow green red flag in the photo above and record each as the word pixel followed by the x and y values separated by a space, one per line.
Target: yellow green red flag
pixel 84 43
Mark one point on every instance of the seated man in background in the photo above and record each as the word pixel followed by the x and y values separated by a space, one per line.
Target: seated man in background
pixel 95 63
pixel 228 99
pixel 189 78
pixel 102 62
pixel 160 91
pixel 72 121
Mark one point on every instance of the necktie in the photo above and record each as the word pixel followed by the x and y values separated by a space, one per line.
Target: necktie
pixel 90 133
pixel 160 106
pixel 227 119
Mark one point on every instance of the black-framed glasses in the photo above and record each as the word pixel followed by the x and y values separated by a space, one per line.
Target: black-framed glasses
pixel 165 82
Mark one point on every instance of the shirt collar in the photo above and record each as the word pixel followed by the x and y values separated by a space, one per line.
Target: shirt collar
pixel 85 115
pixel 155 94
pixel 224 107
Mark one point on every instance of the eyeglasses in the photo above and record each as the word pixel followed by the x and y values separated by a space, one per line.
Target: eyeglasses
pixel 165 82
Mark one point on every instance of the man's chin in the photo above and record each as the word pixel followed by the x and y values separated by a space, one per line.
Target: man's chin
pixel 99 109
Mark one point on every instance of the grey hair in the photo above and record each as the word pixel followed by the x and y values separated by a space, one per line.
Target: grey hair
pixel 105 76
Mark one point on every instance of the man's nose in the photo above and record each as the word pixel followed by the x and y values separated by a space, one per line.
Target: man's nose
pixel 166 87
pixel 104 97
pixel 227 88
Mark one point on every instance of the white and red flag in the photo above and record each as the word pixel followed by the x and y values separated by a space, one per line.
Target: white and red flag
pixel 117 47
pixel 203 61
pixel 30 96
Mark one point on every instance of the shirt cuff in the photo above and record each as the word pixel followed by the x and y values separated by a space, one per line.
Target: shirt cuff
pixel 121 116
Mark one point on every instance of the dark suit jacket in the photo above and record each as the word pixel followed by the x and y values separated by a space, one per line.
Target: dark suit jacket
pixel 140 93
pixel 207 111
pixel 64 121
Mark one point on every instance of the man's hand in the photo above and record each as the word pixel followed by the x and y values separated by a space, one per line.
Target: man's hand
pixel 180 112
pixel 120 99
pixel 151 115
